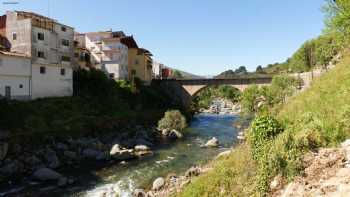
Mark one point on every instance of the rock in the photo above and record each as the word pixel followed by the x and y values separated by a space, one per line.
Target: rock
pixel 193 171
pixel 276 183
pixel 90 153
pixel 3 150
pixel 70 155
pixel 150 194
pixel 32 161
pixel 158 183
pixel 175 134
pixel 142 148
pixel 165 132
pixel 214 142
pixel 46 174
pixel 70 181
pixel 61 146
pixel 62 182
pixel 11 168
pixel 101 156
pixel 52 159
pixel 124 154
pixel 139 193
pixel 116 148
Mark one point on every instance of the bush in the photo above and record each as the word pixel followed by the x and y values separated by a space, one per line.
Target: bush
pixel 173 119
pixel 263 129
pixel 262 132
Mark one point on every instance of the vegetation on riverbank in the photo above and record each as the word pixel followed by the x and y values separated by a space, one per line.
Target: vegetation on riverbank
pixel 206 96
pixel 283 132
pixel 98 105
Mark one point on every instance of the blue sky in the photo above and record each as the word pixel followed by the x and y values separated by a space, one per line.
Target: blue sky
pixel 204 37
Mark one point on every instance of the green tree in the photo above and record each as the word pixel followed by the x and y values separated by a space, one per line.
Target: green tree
pixel 173 119
pixel 249 98
pixel 338 19
pixel 241 70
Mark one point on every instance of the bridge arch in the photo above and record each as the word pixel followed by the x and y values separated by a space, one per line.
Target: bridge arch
pixel 184 90
pixel 194 90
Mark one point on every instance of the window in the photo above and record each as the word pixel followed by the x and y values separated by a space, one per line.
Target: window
pixel 65 59
pixel 65 42
pixel 111 75
pixel 76 55
pixel 14 36
pixel 136 62
pixel 42 69
pixel 63 28
pixel 41 54
pixel 41 36
pixel 21 86
pixel 63 71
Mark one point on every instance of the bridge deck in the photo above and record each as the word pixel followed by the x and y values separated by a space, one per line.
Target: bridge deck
pixel 232 81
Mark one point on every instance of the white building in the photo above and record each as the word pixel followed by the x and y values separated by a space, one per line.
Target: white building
pixel 157 70
pixel 49 45
pixel 15 76
pixel 107 52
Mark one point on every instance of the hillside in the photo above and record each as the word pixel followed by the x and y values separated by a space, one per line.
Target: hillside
pixel 318 117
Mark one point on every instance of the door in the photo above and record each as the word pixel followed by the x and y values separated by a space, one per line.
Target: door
pixel 8 92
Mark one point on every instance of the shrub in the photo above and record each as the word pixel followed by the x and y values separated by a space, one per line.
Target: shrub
pixel 263 129
pixel 262 132
pixel 173 119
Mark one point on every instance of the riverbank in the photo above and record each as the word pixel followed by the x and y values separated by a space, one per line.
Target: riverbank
pixel 84 163
pixel 315 118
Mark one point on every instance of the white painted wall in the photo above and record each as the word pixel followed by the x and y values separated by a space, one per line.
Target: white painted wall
pixel 15 73
pixel 52 83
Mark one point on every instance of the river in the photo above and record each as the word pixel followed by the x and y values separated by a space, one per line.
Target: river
pixel 172 157
pixel 168 158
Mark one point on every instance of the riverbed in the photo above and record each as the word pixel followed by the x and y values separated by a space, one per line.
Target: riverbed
pixel 175 157
pixel 172 157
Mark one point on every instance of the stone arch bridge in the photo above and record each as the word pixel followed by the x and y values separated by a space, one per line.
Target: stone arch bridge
pixel 184 90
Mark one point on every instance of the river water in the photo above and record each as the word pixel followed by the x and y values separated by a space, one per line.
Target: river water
pixel 175 157
pixel 172 157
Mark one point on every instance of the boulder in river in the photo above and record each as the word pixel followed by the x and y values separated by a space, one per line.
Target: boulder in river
pixel 174 134
pixel 115 149
pixel 46 174
pixel 125 154
pixel 70 155
pixel 165 132
pixel 158 184
pixel 213 142
pixel 141 148
pixel 62 182
pixel 3 150
pixel 51 158
pixel 11 168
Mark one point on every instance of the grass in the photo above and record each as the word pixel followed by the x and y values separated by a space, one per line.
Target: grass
pixel 231 176
pixel 318 117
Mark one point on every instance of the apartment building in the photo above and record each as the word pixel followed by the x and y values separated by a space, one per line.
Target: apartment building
pixel 15 76
pixel 49 45
pixel 139 61
pixel 106 52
